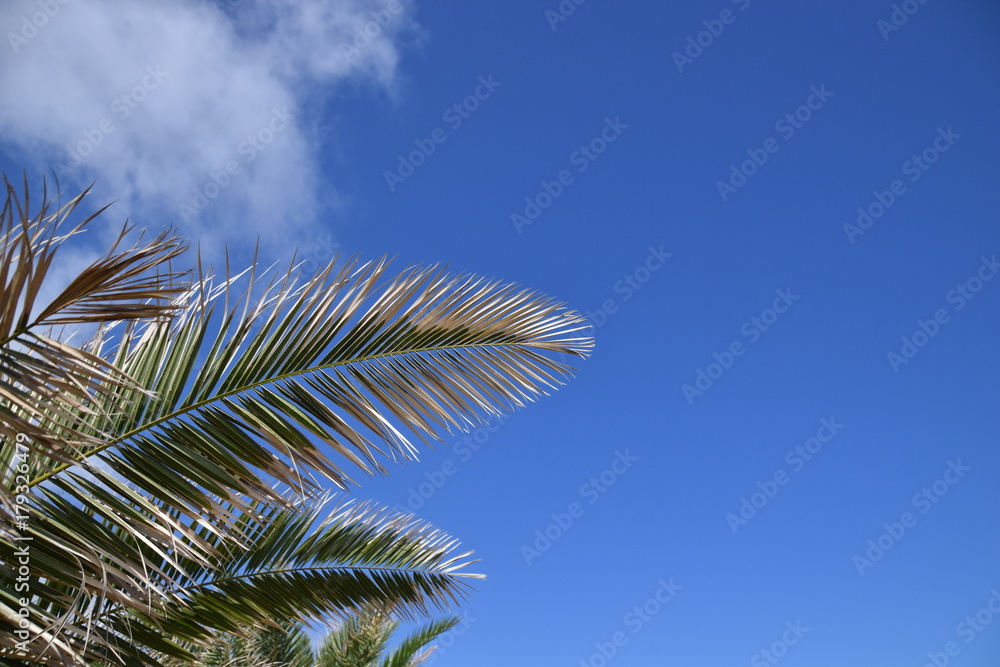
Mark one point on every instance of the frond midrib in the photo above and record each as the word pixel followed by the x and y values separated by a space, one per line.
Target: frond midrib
pixel 240 390
pixel 205 586
pixel 322 568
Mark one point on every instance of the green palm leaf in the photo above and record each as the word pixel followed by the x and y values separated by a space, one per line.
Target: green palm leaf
pixel 45 383
pixel 359 555
pixel 363 641
pixel 286 645
pixel 414 649
pixel 359 641
pixel 237 398
pixel 302 567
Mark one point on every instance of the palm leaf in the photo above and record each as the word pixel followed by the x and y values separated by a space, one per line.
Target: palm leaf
pixel 414 649
pixel 358 556
pixel 45 383
pixel 363 640
pixel 274 388
pixel 358 642
pixel 301 567
pixel 284 646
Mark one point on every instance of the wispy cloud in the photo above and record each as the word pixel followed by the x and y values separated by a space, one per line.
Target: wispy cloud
pixel 192 112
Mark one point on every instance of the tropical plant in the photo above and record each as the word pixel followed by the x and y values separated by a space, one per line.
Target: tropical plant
pixel 163 481
pixel 284 646
pixel 359 641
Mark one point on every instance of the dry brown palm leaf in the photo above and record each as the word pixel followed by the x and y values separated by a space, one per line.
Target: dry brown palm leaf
pixel 242 395
pixel 46 384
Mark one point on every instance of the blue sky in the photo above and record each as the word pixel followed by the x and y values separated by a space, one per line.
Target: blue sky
pixel 702 208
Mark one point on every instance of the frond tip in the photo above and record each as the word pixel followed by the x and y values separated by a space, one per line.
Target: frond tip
pixel 45 383
pixel 298 568
pixel 214 412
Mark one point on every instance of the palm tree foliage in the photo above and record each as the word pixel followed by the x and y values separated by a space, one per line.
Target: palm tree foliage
pixel 168 481
pixel 361 640
pixel 43 382
pixel 287 645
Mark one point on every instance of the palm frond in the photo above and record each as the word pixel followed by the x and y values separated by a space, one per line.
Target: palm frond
pixel 339 360
pixel 358 642
pixel 241 396
pixel 414 650
pixel 286 645
pixel 359 557
pixel 299 567
pixel 45 384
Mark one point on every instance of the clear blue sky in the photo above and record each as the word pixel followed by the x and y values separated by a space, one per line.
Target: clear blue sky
pixel 824 489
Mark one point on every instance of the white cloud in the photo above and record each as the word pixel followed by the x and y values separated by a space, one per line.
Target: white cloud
pixel 161 96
